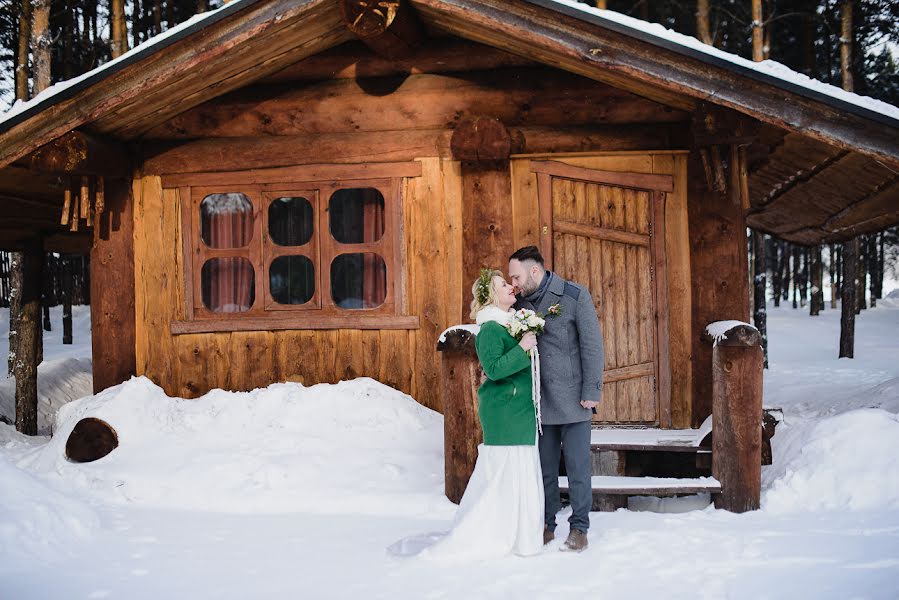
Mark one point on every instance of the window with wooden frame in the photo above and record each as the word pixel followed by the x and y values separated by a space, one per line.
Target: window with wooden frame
pixel 315 247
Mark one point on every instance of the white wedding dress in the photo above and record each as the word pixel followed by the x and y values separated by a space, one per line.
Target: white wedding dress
pixel 501 512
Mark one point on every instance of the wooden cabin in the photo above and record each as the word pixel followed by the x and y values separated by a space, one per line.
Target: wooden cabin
pixel 305 191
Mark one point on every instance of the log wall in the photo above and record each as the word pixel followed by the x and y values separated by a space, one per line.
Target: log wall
pixel 348 120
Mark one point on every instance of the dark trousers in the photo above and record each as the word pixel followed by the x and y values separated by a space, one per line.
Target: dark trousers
pixel 572 440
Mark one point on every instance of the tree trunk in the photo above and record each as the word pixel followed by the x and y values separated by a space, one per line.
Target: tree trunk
pixel 817 282
pixel 880 264
pixel 40 45
pixel 847 315
pixel 157 17
pixel 202 6
pixel 833 277
pixel 846 35
pixel 703 27
pixel 861 274
pixel 804 277
pixel 776 279
pixel 66 299
pixel 785 275
pixel 758 38
pixel 29 334
pixel 15 307
pixel 760 286
pixel 119 42
pixel 873 274
pixel 601 4
pixel 135 23
pixel 797 251
pixel 22 51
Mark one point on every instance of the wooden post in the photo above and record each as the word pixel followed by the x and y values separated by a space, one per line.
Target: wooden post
pixel 737 419
pixel 460 374
pixel 483 146
pixel 112 294
pixel 67 284
pixel 29 334
pixel 849 287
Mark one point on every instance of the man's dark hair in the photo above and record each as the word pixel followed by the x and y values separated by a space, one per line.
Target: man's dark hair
pixel 528 253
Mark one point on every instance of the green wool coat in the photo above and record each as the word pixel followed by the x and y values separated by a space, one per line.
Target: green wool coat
pixel 507 412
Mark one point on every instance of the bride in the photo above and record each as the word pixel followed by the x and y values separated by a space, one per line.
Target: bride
pixel 501 511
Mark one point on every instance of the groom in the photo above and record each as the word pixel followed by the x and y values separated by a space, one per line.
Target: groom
pixel 571 358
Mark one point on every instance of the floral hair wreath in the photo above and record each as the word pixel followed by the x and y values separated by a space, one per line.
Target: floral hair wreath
pixel 483 286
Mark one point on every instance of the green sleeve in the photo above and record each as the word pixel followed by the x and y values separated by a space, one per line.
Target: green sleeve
pixel 497 363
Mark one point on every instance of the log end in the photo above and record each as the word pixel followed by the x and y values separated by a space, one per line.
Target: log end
pixel 90 440
pixel 481 139
pixel 457 340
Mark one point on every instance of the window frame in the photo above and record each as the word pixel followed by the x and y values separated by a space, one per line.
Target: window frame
pixel 316 183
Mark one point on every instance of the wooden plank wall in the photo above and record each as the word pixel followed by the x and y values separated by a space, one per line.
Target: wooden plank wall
pixel 189 365
pixel 526 228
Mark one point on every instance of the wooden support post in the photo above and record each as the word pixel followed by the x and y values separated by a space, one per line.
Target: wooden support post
pixel 461 377
pixel 737 419
pixel 389 27
pixel 112 266
pixel 29 335
pixel 483 146
pixel 719 267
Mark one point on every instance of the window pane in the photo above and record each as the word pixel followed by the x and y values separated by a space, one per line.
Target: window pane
pixel 228 284
pixel 292 279
pixel 359 280
pixel 226 220
pixel 356 215
pixel 290 221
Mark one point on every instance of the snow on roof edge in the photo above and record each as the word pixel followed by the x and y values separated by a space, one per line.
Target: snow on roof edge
pixel 63 90
pixel 766 70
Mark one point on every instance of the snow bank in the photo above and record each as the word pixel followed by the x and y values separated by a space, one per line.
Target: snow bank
pixel 36 519
pixel 844 462
pixel 354 447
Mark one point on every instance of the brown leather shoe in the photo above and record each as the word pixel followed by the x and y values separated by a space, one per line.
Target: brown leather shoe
pixel 548 535
pixel 576 542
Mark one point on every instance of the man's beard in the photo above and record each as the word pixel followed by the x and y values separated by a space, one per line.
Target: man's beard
pixel 528 286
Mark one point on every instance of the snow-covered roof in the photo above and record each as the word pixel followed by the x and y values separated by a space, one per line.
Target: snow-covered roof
pixel 768 71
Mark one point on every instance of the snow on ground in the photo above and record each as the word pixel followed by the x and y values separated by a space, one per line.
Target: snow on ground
pixel 65 373
pixel 297 492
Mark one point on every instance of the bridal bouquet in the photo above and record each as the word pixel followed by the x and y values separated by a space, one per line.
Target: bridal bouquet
pixel 523 321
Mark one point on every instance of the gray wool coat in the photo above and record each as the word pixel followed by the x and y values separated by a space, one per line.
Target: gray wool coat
pixel 571 352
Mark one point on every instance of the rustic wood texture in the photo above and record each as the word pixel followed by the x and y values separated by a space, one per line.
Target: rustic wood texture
pixel 259 40
pixel 91 439
pixel 241 360
pixel 481 138
pixel 389 27
pixel 112 289
pixel 239 153
pixel 29 336
pixel 460 377
pixel 82 154
pixel 650 70
pixel 619 220
pixel 737 422
pixel 516 96
pixel 719 274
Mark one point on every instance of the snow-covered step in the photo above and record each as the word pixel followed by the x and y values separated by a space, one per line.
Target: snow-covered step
pixel 648 486
pixel 651 439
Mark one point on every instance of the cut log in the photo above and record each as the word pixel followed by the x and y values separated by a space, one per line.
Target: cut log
pixel 78 153
pixel 90 440
pixel 389 27
pixel 481 138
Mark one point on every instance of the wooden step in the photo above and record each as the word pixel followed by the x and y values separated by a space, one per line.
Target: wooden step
pixel 648 440
pixel 608 485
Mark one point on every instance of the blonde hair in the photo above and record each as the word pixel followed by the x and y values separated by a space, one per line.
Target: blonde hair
pixel 476 304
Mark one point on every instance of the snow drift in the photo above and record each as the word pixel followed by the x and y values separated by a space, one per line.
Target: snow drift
pixel 354 447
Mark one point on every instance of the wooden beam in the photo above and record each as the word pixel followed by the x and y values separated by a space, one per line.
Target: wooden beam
pixel 481 138
pixel 583 45
pixel 79 153
pixel 113 289
pixel 260 39
pixel 389 27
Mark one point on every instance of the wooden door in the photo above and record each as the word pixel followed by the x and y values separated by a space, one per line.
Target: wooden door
pixel 605 230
